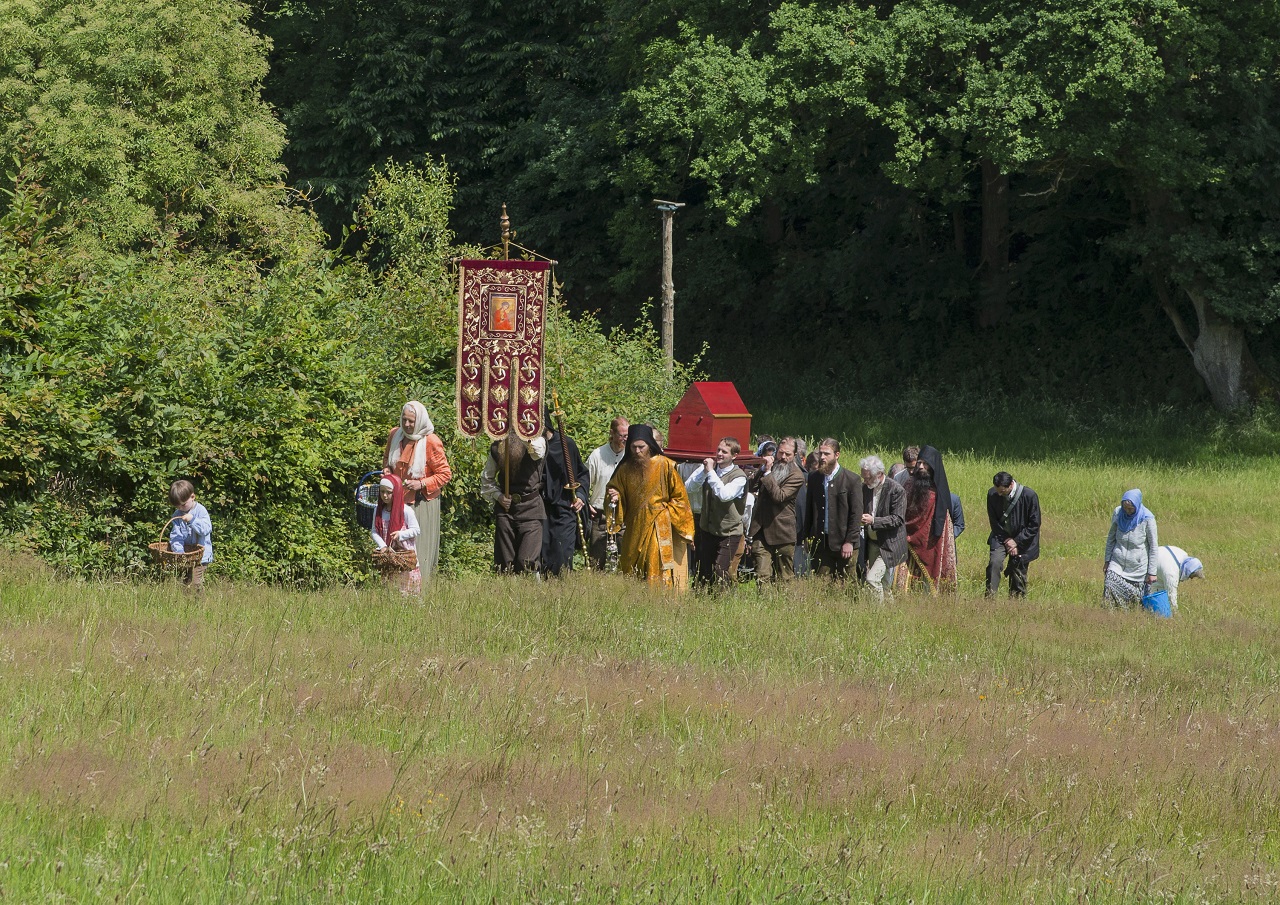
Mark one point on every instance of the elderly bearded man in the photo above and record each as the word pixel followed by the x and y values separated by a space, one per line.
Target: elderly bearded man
pixel 884 510
pixel 776 486
pixel 723 488
pixel 519 512
pixel 832 513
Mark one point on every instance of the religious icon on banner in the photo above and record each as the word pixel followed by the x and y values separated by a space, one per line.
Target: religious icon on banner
pixel 501 314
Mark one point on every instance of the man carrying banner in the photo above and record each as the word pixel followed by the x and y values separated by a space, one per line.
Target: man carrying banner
pixel 512 480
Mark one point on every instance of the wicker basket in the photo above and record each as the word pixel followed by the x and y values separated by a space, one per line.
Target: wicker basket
pixel 161 555
pixel 366 494
pixel 388 560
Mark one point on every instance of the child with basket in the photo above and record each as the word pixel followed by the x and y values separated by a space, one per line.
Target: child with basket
pixel 393 532
pixel 191 527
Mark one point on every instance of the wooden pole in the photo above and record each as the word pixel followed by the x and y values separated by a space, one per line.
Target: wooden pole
pixel 668 209
pixel 505 223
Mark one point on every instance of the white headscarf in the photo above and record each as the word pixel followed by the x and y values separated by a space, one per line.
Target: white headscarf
pixel 421 427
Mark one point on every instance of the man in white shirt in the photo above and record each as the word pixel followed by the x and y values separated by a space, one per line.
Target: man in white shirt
pixel 600 467
pixel 722 487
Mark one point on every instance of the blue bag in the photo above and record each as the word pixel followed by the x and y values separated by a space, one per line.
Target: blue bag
pixel 366 498
pixel 1158 603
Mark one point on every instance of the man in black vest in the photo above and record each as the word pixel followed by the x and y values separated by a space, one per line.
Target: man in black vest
pixel 723 488
pixel 1014 513
pixel 518 510
pixel 833 513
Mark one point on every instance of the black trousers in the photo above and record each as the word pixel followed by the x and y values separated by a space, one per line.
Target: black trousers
pixel 1016 570
pixel 560 539
pixel 598 544
pixel 829 563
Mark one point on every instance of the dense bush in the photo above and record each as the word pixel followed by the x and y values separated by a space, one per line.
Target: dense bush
pixel 270 383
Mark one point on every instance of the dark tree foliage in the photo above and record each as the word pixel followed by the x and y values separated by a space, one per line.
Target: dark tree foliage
pixel 360 82
pixel 876 190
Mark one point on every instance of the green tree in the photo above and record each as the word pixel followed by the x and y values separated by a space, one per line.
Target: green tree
pixel 1165 109
pixel 144 119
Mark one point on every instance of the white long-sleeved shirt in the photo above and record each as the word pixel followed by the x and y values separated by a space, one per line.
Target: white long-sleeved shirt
pixel 601 465
pixel 714 478
pixel 489 488
pixel 406 535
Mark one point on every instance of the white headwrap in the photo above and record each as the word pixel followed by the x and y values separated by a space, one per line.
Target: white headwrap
pixel 421 427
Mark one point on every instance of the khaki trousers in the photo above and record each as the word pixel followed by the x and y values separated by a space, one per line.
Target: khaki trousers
pixel 773 562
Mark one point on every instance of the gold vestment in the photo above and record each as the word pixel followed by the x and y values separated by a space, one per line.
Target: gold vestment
pixel 654 507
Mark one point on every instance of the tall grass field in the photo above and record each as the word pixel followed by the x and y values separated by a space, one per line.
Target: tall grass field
pixel 588 740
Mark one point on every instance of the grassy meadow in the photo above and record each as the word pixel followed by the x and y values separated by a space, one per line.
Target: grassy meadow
pixel 588 740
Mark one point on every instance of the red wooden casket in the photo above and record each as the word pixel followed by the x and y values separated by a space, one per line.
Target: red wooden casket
pixel 709 412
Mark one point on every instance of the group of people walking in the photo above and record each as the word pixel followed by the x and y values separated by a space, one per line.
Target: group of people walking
pixel 796 514
pixel 793 512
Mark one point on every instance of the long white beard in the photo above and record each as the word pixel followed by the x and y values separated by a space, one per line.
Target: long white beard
pixel 780 472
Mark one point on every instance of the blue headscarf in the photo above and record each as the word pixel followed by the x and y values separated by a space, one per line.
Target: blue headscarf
pixel 1189 567
pixel 1126 522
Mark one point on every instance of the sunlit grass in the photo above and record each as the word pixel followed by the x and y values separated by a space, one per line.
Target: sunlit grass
pixel 589 740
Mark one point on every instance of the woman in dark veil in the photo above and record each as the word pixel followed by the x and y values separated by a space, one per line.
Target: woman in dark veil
pixel 931 562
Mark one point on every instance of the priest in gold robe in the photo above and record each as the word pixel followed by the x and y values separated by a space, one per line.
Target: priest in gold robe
pixel 654 506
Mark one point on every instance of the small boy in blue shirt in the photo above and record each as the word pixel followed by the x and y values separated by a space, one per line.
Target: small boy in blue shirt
pixel 191 526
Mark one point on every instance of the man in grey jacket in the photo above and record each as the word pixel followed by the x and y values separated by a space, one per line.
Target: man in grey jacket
pixel 884 525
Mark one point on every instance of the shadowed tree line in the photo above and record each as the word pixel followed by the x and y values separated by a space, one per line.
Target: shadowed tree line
pixel 1063 197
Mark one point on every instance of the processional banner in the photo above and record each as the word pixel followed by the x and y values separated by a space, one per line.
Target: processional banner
pixel 502 308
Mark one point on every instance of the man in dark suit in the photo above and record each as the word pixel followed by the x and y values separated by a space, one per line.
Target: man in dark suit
pixel 832 513
pixel 1013 510
pixel 884 510
pixel 776 485
pixel 564 467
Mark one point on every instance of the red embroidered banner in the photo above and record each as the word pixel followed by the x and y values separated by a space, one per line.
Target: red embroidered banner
pixel 502 307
